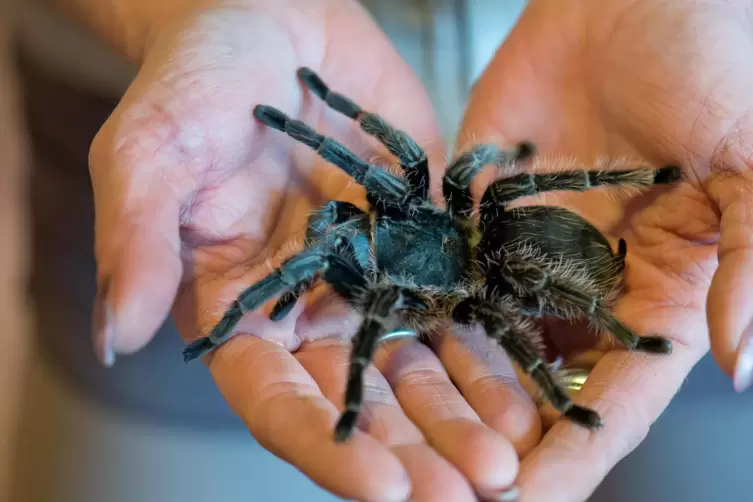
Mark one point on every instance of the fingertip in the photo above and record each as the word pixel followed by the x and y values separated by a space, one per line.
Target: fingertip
pixel 141 290
pixel 726 312
pixel 434 478
pixel 371 470
pixel 103 328
pixel 488 459
pixel 729 307
pixel 743 374
pixel 519 422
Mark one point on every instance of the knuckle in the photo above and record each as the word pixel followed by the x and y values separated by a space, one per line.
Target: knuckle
pixel 420 377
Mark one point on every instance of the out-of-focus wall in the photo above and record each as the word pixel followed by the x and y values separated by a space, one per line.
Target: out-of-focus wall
pixel 14 318
pixel 448 43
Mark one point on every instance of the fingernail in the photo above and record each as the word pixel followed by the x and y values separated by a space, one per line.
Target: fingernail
pixel 103 331
pixel 744 364
pixel 507 495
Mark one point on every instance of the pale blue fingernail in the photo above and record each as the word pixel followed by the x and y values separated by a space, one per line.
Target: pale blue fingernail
pixel 103 330
pixel 511 494
pixel 744 364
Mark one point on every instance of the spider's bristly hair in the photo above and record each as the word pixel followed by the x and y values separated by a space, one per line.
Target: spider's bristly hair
pixel 379 183
pixel 456 184
pixel 412 158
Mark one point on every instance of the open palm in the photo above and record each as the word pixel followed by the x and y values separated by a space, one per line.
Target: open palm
pixel 196 200
pixel 661 80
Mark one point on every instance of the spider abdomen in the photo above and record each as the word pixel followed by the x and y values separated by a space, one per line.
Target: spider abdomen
pixel 555 239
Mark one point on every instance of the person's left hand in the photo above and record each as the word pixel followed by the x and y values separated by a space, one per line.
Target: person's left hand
pixel 666 81
pixel 196 200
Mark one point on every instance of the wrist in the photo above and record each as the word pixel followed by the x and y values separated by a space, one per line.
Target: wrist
pixel 145 20
pixel 130 26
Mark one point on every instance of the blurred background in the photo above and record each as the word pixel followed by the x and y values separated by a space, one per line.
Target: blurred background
pixel 73 432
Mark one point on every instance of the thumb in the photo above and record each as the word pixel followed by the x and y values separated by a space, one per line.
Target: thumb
pixel 172 127
pixel 137 239
pixel 730 302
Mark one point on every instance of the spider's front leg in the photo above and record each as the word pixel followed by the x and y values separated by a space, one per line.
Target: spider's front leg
pixel 515 335
pixel 301 268
pixel 412 158
pixel 381 306
pixel 319 223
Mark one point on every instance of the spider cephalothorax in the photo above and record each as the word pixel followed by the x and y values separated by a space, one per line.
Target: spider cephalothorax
pixel 410 263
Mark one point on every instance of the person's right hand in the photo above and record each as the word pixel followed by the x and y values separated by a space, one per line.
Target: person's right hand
pixel 196 199
pixel 663 81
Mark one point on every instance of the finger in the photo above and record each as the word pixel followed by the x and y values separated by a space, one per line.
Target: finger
pixel 448 422
pixel 487 379
pixel 629 390
pixel 138 261
pixel 328 363
pixel 431 475
pixel 730 304
pixel 287 413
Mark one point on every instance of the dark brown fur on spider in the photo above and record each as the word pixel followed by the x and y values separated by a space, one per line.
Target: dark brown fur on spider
pixel 409 263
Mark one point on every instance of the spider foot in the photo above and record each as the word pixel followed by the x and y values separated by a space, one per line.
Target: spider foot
pixel 345 426
pixel 654 345
pixel 667 175
pixel 271 117
pixel 525 150
pixel 197 349
pixel 584 416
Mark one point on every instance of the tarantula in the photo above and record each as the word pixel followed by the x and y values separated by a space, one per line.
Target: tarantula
pixel 408 263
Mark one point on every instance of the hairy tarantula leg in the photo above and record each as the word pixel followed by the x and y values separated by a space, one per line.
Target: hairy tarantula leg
pixel 377 182
pixel 300 268
pixel 319 222
pixel 380 308
pixel 412 158
pixel 456 184
pixel 651 344
pixel 524 354
pixel 506 190
pixel 563 299
pixel 297 269
pixel 501 326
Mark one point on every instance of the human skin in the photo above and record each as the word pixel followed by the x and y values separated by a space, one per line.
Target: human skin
pixel 667 81
pixel 195 200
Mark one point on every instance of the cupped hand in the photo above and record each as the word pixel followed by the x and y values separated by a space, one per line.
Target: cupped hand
pixel 669 82
pixel 196 200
